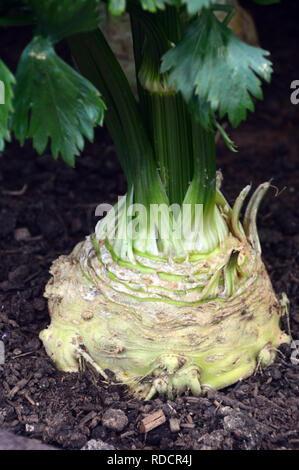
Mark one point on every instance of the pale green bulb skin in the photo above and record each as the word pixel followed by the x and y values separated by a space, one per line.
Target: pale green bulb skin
pixel 184 330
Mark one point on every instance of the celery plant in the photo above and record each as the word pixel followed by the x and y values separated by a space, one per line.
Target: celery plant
pixel 166 313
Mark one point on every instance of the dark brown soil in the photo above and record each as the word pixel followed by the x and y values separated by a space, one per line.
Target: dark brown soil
pixel 56 205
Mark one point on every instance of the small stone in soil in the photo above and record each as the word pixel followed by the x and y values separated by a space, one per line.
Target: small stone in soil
pixel 97 444
pixel 115 420
pixel 214 440
pixel 234 421
pixel 22 234
pixel 224 411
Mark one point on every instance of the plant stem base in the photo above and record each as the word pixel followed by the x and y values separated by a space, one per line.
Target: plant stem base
pixel 166 334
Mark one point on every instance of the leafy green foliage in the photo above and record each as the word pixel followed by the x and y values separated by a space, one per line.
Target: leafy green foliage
pixel 6 94
pixel 116 7
pixel 154 5
pixel 215 71
pixel 210 66
pixel 80 14
pixel 53 101
pixel 194 6
pixel 61 18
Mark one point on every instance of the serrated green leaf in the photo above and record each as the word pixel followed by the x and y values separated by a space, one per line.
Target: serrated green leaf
pixel 52 101
pixel 7 81
pixel 202 111
pixel 58 19
pixel 211 65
